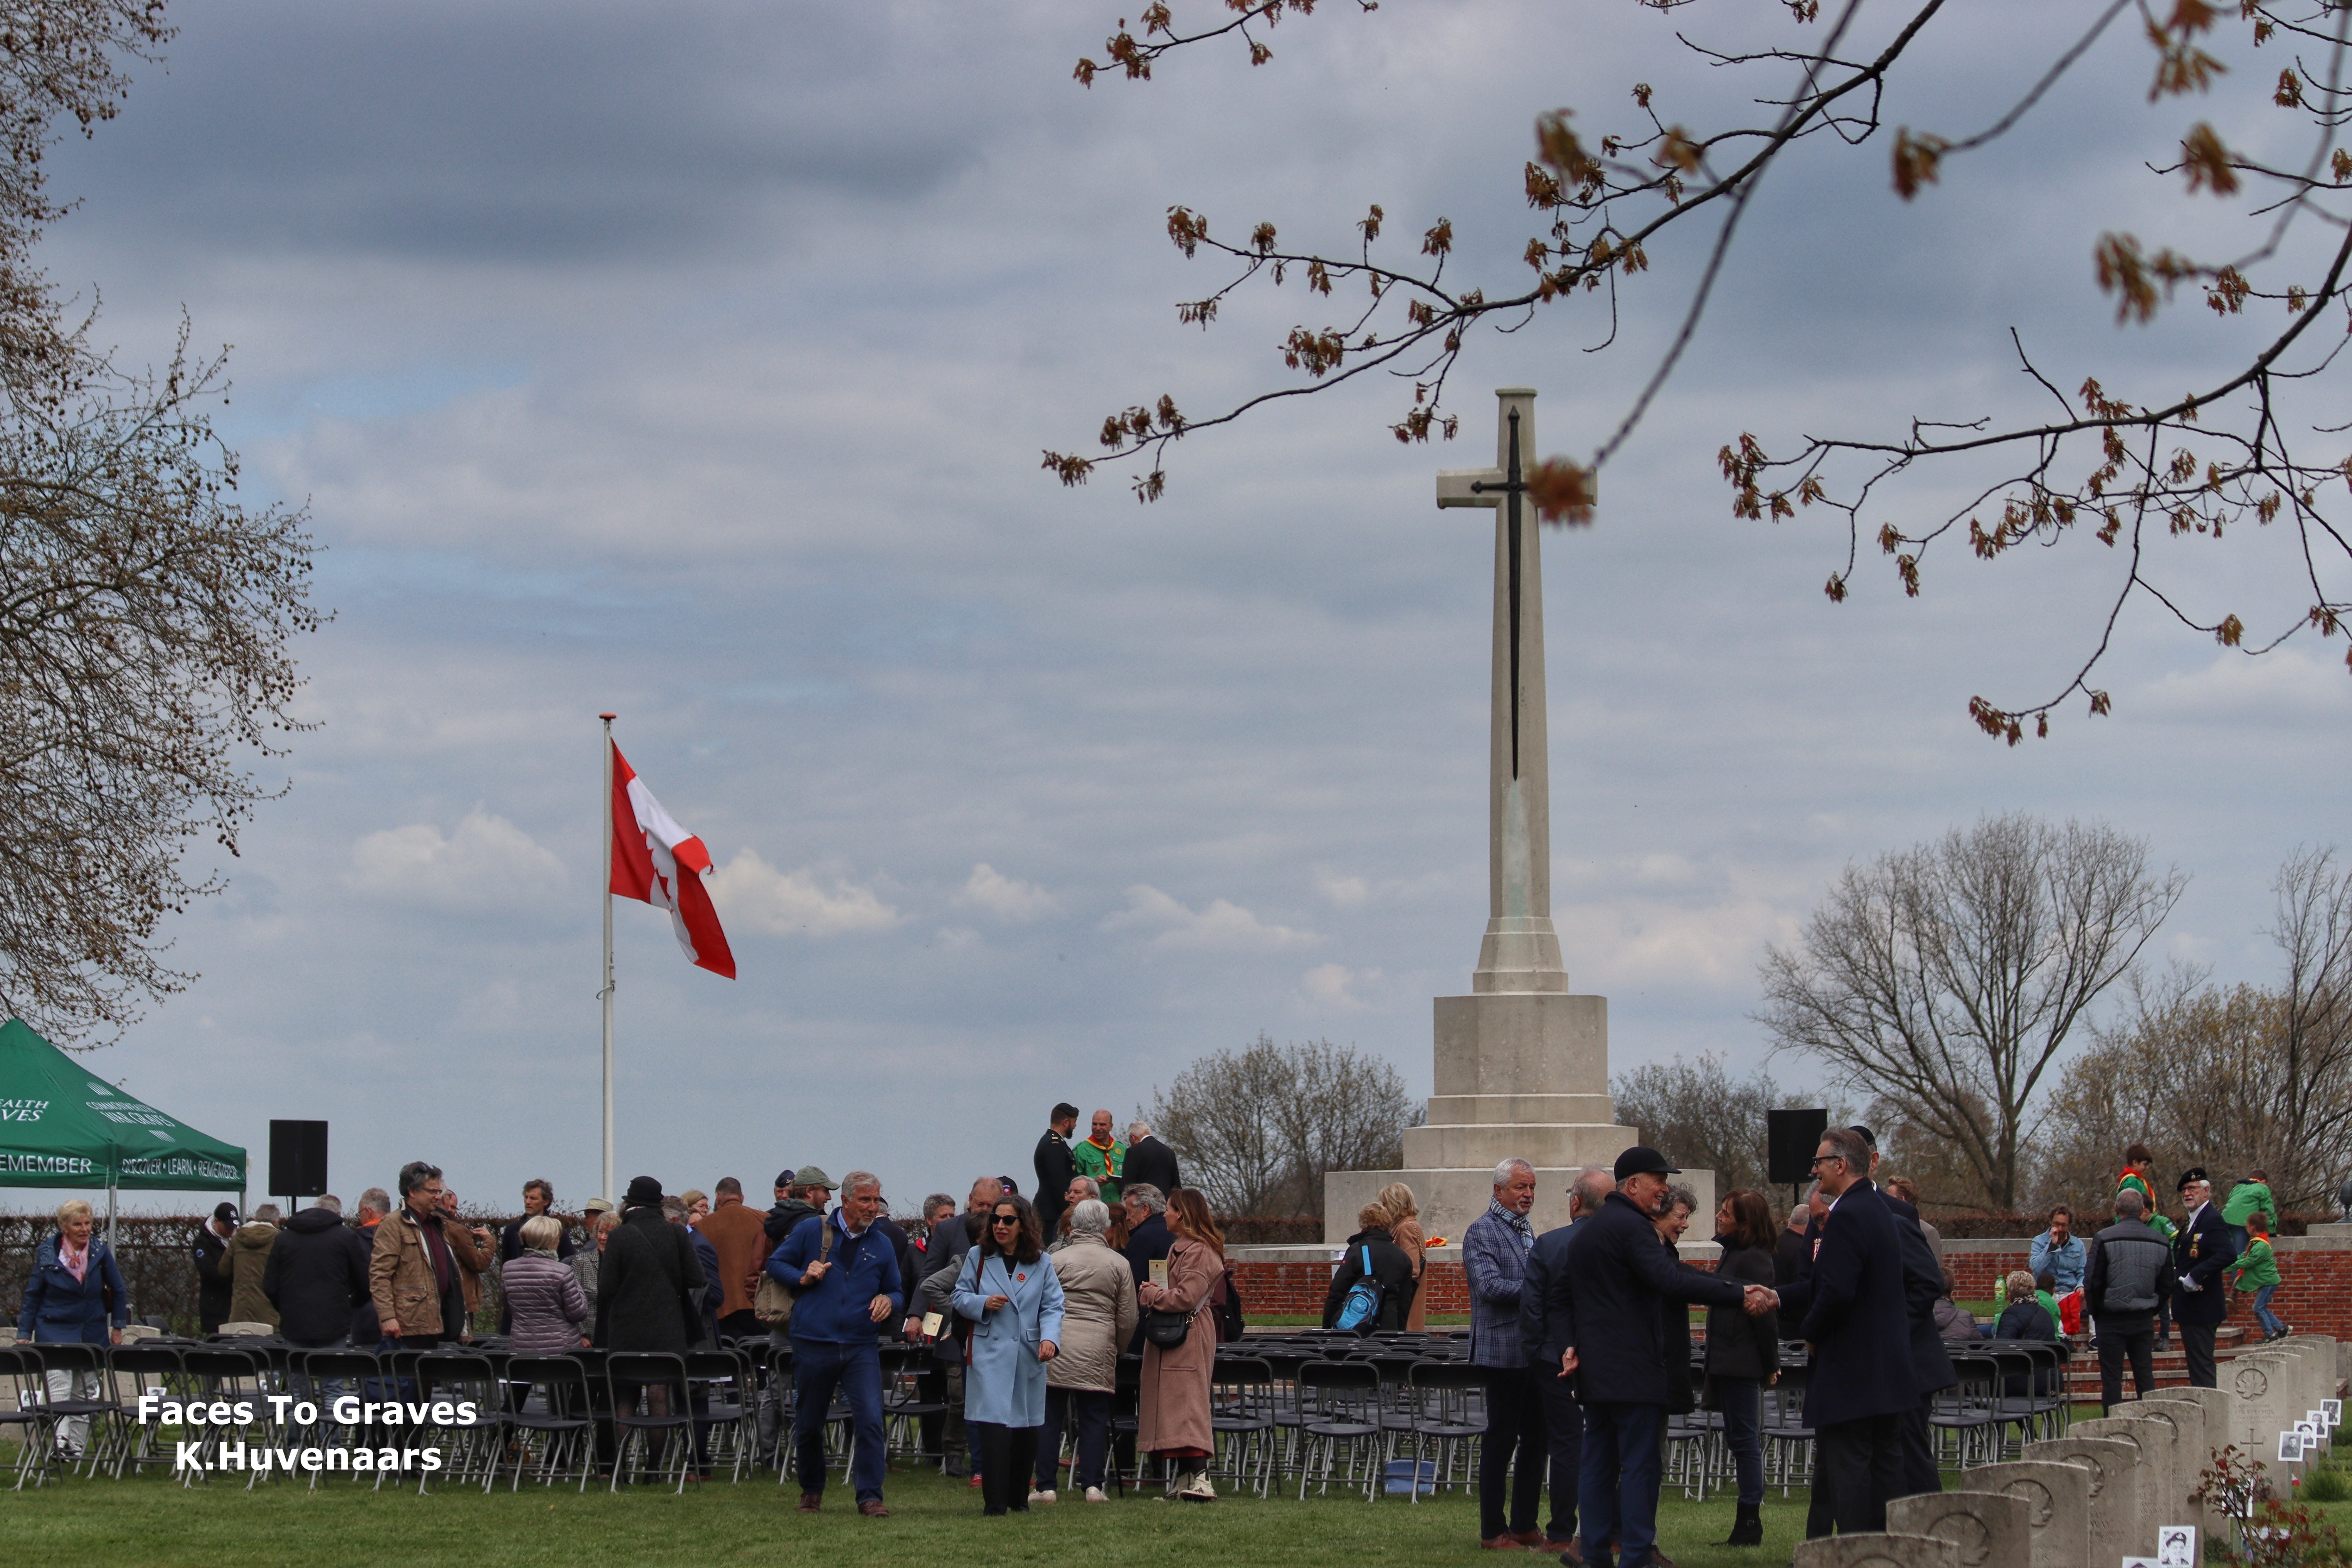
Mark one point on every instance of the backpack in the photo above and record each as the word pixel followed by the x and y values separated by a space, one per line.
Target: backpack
pixel 1230 1326
pixel 1360 1308
pixel 772 1302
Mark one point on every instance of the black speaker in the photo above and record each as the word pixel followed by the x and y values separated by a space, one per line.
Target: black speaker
pixel 1790 1137
pixel 298 1159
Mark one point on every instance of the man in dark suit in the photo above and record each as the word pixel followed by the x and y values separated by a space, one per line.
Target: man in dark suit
pixel 1611 1340
pixel 1056 1165
pixel 1931 1364
pixel 2201 1250
pixel 1148 1160
pixel 1856 1321
pixel 1543 1294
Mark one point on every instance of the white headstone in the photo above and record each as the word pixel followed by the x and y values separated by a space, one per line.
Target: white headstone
pixel 2114 1514
pixel 2152 1440
pixel 2057 1498
pixel 1876 1552
pixel 1989 1530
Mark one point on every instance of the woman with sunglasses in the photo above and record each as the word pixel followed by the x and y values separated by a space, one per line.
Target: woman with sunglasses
pixel 1013 1298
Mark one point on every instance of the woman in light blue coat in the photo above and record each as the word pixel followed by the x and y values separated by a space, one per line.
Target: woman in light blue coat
pixel 1011 1293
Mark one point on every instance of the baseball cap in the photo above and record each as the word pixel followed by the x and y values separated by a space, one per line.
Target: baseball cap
pixel 809 1176
pixel 225 1214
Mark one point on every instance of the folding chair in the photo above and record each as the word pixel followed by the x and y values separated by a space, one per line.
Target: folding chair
pixel 220 1374
pixel 470 1448
pixel 1343 1407
pixel 1241 1419
pixel 27 1415
pixel 557 1437
pixel 721 1384
pixel 103 1413
pixel 150 1367
pixel 1449 1399
pixel 651 1409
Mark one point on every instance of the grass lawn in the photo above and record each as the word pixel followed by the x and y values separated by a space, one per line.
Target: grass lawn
pixel 136 1523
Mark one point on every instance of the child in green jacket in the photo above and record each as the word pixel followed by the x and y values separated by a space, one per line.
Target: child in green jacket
pixel 2257 1270
pixel 2251 1196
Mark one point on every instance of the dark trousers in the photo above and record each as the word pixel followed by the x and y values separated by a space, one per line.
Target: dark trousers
pixel 2197 1338
pixel 1007 1455
pixel 1619 1495
pixel 1564 1446
pixel 2114 1344
pixel 742 1325
pixel 1863 1462
pixel 1515 1425
pixel 1920 1472
pixel 819 1367
pixel 1091 1407
pixel 1741 1400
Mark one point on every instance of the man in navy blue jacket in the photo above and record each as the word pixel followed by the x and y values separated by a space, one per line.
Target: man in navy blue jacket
pixel 1856 1320
pixel 1543 1298
pixel 1613 1339
pixel 847 1288
pixel 2201 1248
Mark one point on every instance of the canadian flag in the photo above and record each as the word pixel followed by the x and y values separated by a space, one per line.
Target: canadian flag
pixel 656 861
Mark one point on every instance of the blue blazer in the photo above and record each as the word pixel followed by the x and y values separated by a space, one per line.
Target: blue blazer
pixel 61 1310
pixel 1004 1380
pixel 2201 1250
pixel 1855 1315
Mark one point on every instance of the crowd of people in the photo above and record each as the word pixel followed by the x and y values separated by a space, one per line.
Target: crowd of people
pixel 1025 1304
pixel 1585 1331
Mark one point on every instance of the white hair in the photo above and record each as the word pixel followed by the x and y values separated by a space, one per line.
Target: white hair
pixel 857 1181
pixel 1502 1171
pixel 1136 1131
pixel 1090 1216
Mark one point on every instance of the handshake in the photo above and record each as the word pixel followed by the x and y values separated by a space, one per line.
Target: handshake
pixel 1761 1300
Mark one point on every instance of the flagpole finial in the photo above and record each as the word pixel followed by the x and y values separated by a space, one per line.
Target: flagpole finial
pixel 608 718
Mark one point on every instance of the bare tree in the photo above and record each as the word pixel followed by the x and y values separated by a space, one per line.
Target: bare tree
pixel 1698 1115
pixel 2128 460
pixel 2234 1079
pixel 1946 978
pixel 145 615
pixel 1257 1127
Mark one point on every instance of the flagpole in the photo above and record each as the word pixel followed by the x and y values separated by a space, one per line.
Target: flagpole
pixel 604 897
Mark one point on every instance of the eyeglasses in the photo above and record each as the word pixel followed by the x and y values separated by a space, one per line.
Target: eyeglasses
pixel 1821 1160
pixel 1004 1219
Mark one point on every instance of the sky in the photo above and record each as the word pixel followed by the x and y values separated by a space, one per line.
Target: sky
pixel 695 364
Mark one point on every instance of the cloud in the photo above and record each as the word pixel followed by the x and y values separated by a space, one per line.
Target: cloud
pixel 1224 926
pixel 1006 898
pixel 750 892
pixel 1348 892
pixel 487 864
pixel 1328 983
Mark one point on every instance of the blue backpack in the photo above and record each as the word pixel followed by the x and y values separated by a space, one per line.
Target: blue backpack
pixel 1362 1306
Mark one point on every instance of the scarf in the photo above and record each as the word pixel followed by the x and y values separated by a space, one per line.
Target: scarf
pixel 1516 1220
pixel 75 1259
pixel 546 1252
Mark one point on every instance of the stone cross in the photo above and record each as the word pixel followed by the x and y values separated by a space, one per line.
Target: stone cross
pixel 1521 950
pixel 1987 1530
pixel 2115 1515
pixel 1874 1551
pixel 2058 1505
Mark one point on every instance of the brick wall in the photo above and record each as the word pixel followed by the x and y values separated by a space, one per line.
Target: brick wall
pixel 2314 1292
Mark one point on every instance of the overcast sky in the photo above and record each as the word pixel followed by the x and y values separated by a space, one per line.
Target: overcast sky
pixel 694 363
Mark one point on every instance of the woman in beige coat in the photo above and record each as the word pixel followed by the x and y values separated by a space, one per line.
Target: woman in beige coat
pixel 1174 1419
pixel 1099 1319
pixel 1405 1229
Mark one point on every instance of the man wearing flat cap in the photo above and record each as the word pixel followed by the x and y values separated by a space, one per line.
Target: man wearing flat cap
pixel 2201 1248
pixel 1613 1341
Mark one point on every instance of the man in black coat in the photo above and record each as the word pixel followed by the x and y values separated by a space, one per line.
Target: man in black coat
pixel 1056 1165
pixel 1856 1319
pixel 2201 1248
pixel 1931 1364
pixel 1543 1296
pixel 316 1276
pixel 642 1278
pixel 1612 1341
pixel 800 1194
pixel 2129 1277
pixel 1148 1160
pixel 214 1285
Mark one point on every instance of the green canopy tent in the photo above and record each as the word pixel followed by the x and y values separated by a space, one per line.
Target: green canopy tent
pixel 61 1125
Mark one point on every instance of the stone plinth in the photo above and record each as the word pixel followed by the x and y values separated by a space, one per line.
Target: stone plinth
pixel 1886 1550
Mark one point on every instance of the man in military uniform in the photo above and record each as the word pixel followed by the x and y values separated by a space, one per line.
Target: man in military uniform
pixel 2201 1250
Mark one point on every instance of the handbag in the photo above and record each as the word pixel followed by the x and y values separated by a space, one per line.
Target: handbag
pixel 772 1302
pixel 1167 1329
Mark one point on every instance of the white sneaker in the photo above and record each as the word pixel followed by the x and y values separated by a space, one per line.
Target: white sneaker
pixel 1044 1496
pixel 1196 1488
pixel 1095 1494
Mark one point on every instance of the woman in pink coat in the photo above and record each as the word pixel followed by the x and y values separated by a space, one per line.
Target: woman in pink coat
pixel 1174 1422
